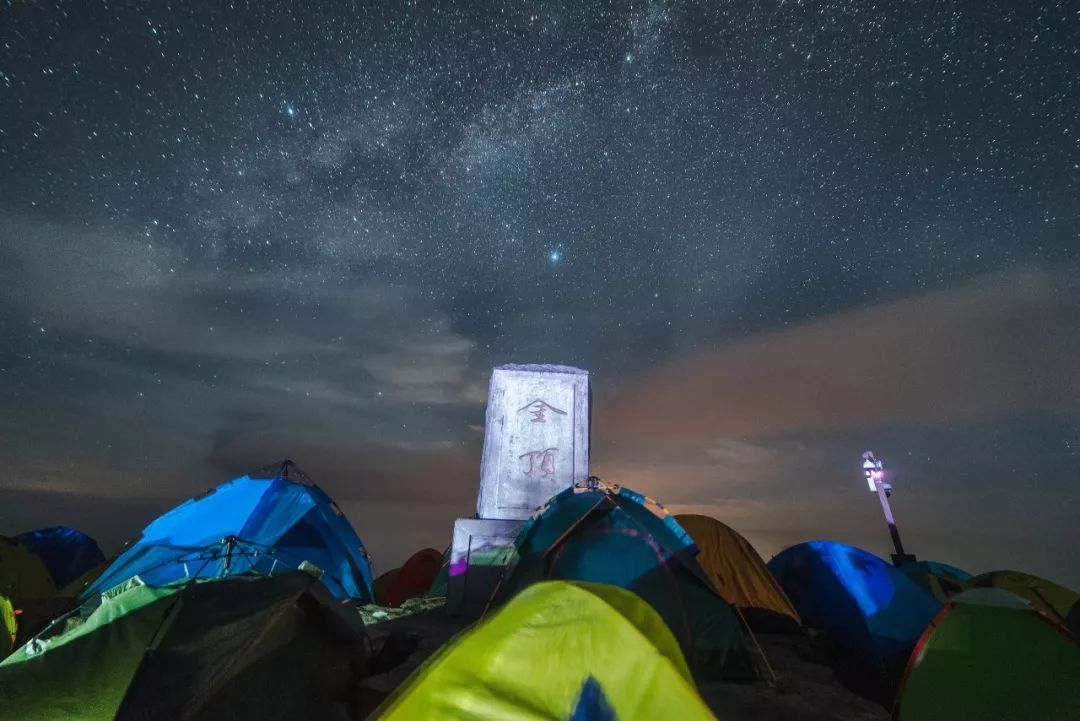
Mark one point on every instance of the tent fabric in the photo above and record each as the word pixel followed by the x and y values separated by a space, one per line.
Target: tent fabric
pixel 606 534
pixel 439 583
pixel 8 627
pixel 67 553
pixel 941 580
pixel 381 585
pixel 558 651
pixel 871 613
pixel 414 578
pixel 23 576
pixel 1055 600
pixel 735 569
pixel 992 597
pixel 75 588
pixel 937 568
pixel 248 525
pixel 244 648
pixel 991 661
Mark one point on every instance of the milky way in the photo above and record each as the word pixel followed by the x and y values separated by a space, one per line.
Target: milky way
pixel 231 232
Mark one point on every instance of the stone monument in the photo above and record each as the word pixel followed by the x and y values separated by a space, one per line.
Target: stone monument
pixel 536 443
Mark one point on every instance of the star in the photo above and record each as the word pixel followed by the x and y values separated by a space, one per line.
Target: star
pixel 554 256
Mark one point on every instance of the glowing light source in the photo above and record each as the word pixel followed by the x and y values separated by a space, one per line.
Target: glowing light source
pixel 874 472
pixel 554 256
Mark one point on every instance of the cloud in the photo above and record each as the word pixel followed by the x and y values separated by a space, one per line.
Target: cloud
pixel 248 330
pixel 997 347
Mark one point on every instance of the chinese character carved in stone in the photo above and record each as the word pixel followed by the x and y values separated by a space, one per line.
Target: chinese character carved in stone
pixel 538 409
pixel 542 461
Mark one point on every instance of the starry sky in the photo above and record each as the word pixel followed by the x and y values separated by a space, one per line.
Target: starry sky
pixel 778 233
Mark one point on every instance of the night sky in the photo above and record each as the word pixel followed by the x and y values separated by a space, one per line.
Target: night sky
pixel 777 233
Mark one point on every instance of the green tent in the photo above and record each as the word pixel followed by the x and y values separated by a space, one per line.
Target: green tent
pixel 990 656
pixel 559 651
pixel 1055 600
pixel 242 648
pixel 607 534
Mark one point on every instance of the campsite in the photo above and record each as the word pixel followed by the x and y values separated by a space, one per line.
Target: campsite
pixel 257 600
pixel 539 360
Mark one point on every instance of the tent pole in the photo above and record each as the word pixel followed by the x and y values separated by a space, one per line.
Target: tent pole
pixel 761 652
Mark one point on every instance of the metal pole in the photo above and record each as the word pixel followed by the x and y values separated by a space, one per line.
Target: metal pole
pixel 875 473
pixel 889 517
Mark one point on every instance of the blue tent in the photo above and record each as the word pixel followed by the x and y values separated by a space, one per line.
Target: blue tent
pixel 248 525
pixel 870 612
pixel 67 553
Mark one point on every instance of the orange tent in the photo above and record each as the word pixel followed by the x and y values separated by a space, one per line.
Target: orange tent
pixel 737 572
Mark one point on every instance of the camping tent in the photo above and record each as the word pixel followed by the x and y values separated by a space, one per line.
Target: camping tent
pixel 8 627
pixel 1056 601
pixel 414 578
pixel 249 525
pixel 558 650
pixel 242 648
pixel 381 585
pixel 439 582
pixel 607 534
pixel 871 613
pixel 23 576
pixel 940 579
pixel 67 553
pixel 75 588
pixel 27 590
pixel 737 572
pixel 989 656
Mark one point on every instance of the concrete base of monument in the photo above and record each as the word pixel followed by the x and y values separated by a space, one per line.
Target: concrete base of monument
pixel 479 553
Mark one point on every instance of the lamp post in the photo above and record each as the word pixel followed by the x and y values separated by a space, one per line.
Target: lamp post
pixel 875 480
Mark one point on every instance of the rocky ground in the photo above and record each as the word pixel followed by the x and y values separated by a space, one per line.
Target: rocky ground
pixel 805 688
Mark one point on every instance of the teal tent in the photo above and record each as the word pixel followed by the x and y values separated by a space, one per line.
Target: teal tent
pixel 937 568
pixel 940 579
pixel 608 534
pixel 265 523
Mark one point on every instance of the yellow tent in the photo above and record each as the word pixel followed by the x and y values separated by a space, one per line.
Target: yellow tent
pixel 25 587
pixel 736 570
pixel 23 577
pixel 1058 602
pixel 7 627
pixel 558 650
